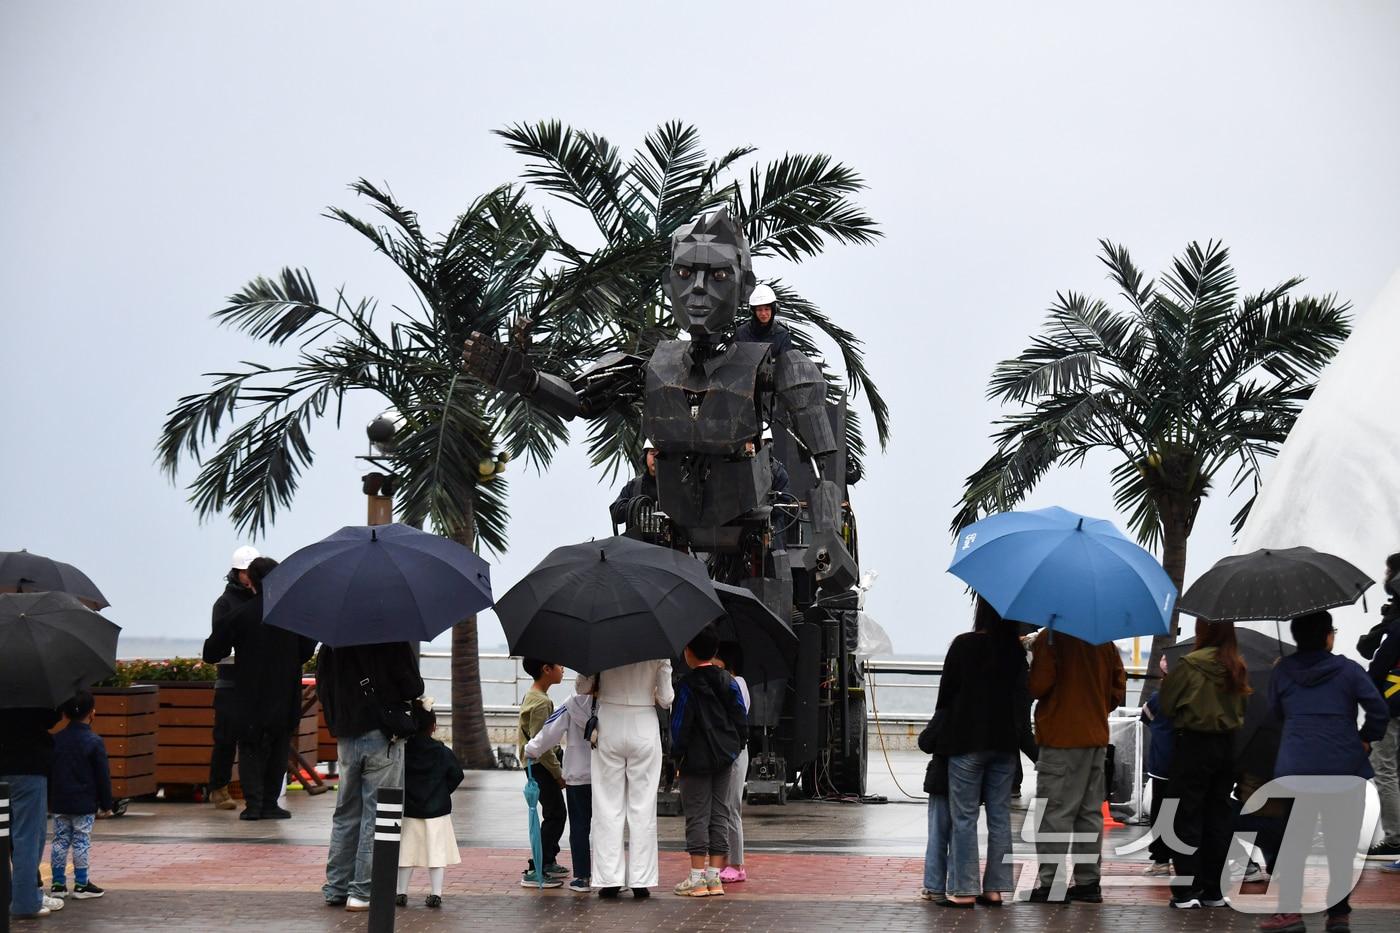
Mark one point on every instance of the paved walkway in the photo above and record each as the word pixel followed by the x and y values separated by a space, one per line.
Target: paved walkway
pixel 813 865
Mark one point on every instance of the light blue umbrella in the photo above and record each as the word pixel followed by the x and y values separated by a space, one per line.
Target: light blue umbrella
pixel 1073 574
pixel 532 802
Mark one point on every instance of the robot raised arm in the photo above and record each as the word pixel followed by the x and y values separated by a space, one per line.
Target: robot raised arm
pixel 802 391
pixel 615 379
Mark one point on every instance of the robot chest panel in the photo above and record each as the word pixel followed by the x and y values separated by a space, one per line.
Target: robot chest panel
pixel 705 407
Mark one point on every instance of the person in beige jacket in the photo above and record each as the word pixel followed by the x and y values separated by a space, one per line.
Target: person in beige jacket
pixel 626 769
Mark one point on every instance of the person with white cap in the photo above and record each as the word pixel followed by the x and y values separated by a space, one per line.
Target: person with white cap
pixel 238 589
pixel 763 325
pixel 643 484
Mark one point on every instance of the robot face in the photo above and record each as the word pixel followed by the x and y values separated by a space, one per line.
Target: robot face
pixel 710 276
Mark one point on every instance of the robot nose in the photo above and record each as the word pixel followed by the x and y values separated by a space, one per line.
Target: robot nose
pixel 699 279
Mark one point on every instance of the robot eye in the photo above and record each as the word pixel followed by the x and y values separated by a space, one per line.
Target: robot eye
pixel 720 275
pixel 683 272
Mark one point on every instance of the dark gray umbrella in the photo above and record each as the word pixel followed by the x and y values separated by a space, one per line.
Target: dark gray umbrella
pixel 51 646
pixel 23 572
pixel 1273 584
pixel 607 603
pixel 767 644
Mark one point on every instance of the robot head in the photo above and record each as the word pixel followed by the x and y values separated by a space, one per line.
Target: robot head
pixel 710 276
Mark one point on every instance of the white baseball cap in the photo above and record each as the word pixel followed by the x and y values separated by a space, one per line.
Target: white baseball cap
pixel 244 556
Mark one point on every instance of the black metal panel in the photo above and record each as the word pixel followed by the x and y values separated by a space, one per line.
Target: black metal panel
pixel 806 695
pixel 699 491
pixel 705 406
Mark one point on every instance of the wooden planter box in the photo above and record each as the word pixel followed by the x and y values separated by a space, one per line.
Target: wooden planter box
pixel 326 746
pixel 126 718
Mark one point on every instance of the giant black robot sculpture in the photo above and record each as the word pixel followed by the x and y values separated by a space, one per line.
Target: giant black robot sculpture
pixel 706 402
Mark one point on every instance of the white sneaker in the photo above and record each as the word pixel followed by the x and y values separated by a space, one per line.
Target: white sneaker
pixel 52 903
pixel 356 905
pixel 1255 872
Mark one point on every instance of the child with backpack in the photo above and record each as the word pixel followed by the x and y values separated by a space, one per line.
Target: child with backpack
pixel 430 774
pixel 80 790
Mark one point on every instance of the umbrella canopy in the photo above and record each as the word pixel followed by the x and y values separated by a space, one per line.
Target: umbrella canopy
pixel 1274 584
pixel 23 572
pixel 51 646
pixel 767 643
pixel 1071 573
pixel 366 585
pixel 1255 742
pixel 606 603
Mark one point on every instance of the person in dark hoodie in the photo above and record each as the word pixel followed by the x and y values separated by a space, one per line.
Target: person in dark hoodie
pixel 763 326
pixel 237 591
pixel 267 695
pixel 643 484
pixel 1381 646
pixel 709 725
pixel 1204 695
pixel 1317 694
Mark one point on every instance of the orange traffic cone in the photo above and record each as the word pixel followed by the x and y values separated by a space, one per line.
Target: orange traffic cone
pixel 1108 821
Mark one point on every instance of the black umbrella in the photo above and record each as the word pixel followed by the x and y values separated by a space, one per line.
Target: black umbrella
pixel 1255 742
pixel 51 646
pixel 370 584
pixel 607 603
pixel 23 572
pixel 1273 584
pixel 767 644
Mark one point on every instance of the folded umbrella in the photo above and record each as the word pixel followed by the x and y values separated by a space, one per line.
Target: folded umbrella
pixel 606 603
pixel 767 644
pixel 532 820
pixel 51 646
pixel 1071 573
pixel 366 585
pixel 1273 583
pixel 23 572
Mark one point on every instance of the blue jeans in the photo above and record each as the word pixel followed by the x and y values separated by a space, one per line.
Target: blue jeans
pixel 973 779
pixel 940 833
pixel 580 801
pixel 366 763
pixel 29 823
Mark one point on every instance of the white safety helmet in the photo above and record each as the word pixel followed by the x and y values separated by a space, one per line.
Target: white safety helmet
pixel 762 295
pixel 649 444
pixel 244 556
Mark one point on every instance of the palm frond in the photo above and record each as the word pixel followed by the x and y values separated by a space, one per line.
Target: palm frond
pixel 795 203
pixel 277 309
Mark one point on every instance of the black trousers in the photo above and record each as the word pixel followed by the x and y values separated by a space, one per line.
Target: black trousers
pixel 580 797
pixel 262 767
pixel 552 825
pixel 1159 850
pixel 1202 778
pixel 225 739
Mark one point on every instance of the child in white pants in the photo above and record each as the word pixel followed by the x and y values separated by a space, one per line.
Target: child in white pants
pixel 430 774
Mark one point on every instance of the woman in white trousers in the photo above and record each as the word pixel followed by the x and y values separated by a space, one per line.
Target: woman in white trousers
pixel 626 771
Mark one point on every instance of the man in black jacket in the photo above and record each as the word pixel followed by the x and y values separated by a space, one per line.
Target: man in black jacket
pixel 354 683
pixel 237 591
pixel 764 326
pixel 1381 645
pixel 643 484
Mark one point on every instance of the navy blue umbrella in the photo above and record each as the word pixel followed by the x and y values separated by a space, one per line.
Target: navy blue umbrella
pixel 366 585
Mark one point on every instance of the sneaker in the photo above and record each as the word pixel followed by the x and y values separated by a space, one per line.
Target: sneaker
pixel 52 903
pixel 1255 873
pixel 1214 900
pixel 1392 868
pixel 400 900
pixel 355 905
pixel 1190 902
pixel 335 900
pixel 1384 851
pixel 41 912
pixel 1160 869
pixel 1339 923
pixel 732 875
pixel 1283 923
pixel 715 885
pixel 58 889
pixel 1085 893
pixel 579 886
pixel 693 887
pixel 85 891
pixel 530 879
pixel 556 871
pixel 433 900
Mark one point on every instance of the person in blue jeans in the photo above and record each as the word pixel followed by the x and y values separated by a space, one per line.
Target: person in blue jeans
pixel 983 691
pixel 26 757
pixel 353 684
pixel 940 821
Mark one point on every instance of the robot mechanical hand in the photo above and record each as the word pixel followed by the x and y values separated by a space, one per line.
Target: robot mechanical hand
pixel 496 364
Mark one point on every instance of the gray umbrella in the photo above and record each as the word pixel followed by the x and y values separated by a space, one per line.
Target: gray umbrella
pixel 51 646
pixel 767 644
pixel 1273 583
pixel 23 572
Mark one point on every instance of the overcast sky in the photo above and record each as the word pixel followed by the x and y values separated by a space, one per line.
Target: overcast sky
pixel 156 156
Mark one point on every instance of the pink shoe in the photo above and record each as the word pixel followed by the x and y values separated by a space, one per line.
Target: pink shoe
pixel 732 875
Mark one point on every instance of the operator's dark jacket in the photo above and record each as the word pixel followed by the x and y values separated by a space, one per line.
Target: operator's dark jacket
pixel 391 670
pixel 430 774
pixel 81 782
pixel 1381 646
pixel 1316 694
pixel 641 485
pixel 25 744
pixel 776 335
pixel 709 724
pixel 268 689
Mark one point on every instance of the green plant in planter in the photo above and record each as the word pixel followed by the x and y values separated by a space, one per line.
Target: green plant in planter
pixel 166 670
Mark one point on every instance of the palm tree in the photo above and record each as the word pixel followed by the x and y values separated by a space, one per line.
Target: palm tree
pixel 1188 380
pixel 790 209
pixel 478 275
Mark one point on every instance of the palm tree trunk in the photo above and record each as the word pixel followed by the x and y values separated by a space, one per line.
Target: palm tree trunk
pixel 470 741
pixel 1176 530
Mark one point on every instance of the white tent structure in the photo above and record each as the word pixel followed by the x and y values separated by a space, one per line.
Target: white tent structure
pixel 1336 484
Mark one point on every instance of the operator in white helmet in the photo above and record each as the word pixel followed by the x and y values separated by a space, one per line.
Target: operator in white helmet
pixel 643 484
pixel 763 325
